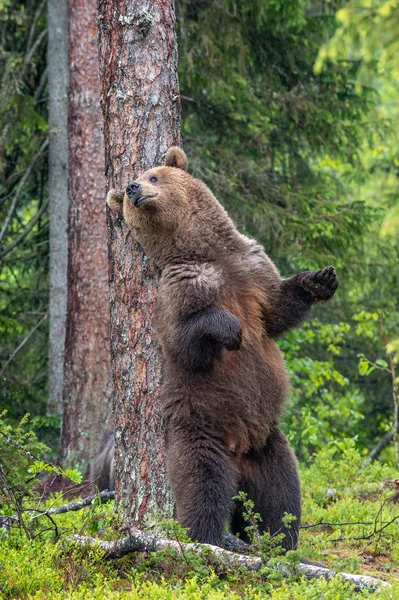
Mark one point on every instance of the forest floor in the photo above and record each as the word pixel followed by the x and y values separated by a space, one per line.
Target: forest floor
pixel 350 524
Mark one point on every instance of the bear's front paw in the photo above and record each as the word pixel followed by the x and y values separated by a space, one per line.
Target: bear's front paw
pixel 231 337
pixel 321 284
pixel 115 200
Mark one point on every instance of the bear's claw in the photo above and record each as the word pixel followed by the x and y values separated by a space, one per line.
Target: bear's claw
pixel 322 284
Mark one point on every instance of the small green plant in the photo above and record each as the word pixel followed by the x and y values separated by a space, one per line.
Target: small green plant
pixel 268 546
pixel 21 463
pixel 251 517
pixel 174 531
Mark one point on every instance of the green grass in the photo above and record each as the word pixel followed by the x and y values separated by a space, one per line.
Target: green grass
pixel 336 489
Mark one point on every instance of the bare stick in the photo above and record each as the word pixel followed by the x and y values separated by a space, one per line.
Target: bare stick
pixel 367 537
pixel 34 23
pixel 19 189
pixel 384 441
pixel 139 541
pixel 28 453
pixel 11 495
pixel 25 232
pixel 322 523
pixel 395 395
pixel 73 506
pixel 22 344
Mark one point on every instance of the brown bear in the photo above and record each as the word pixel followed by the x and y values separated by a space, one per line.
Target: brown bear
pixel 221 305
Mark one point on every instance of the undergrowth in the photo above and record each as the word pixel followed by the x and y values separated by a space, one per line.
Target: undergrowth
pixel 349 524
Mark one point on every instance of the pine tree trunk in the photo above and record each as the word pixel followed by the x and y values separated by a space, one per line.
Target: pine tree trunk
pixel 58 195
pixel 141 107
pixel 87 392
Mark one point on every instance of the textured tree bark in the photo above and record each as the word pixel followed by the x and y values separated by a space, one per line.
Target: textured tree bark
pixel 57 53
pixel 141 108
pixel 87 396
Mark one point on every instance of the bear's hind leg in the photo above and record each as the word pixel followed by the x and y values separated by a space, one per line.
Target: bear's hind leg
pixel 203 483
pixel 270 478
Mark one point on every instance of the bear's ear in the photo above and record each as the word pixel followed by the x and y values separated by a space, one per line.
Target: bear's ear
pixel 176 157
pixel 115 200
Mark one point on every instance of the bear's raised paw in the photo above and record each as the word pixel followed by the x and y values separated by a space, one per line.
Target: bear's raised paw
pixel 321 284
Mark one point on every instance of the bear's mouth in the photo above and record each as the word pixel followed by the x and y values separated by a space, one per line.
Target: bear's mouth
pixel 142 199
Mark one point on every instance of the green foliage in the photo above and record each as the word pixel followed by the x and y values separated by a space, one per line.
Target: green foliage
pixel 49 567
pixel 23 268
pixel 21 463
pixel 368 32
pixel 324 406
pixel 257 119
pixel 18 447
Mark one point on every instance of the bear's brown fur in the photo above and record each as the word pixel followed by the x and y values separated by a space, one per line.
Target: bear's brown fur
pixel 220 306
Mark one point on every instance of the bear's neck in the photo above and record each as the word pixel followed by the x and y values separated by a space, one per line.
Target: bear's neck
pixel 196 241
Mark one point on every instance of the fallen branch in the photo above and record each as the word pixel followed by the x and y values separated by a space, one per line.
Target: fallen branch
pixel 78 505
pixel 138 541
pixel 230 542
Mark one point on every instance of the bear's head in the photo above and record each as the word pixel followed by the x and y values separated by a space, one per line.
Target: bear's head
pixel 159 199
pixel 170 213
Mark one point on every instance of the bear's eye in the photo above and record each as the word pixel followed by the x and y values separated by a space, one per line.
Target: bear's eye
pixel 153 179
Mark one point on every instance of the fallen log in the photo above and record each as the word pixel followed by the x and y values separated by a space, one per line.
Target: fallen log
pixel 139 541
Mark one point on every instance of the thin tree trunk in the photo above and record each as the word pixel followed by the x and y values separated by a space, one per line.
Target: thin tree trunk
pixel 141 108
pixel 58 195
pixel 88 386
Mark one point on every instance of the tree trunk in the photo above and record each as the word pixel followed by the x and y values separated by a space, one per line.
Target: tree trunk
pixel 141 108
pixel 58 195
pixel 87 370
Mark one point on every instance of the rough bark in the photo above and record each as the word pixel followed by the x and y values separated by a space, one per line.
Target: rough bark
pixel 141 108
pixel 222 559
pixel 58 195
pixel 87 403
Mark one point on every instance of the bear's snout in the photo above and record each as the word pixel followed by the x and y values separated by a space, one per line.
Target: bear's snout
pixel 133 190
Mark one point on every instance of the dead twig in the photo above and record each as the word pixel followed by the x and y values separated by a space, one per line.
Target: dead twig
pixel 367 537
pixel 22 344
pixel 20 188
pixel 25 232
pixel 322 523
pixel 14 500
pixel 74 506
pixel 384 441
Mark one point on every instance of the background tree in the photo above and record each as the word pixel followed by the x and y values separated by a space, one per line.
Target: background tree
pixel 58 81
pixel 141 108
pixel 87 410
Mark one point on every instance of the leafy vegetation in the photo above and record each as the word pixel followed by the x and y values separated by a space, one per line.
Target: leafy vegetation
pixel 290 114
pixel 349 524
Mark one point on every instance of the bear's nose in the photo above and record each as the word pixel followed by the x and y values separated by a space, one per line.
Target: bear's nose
pixel 133 190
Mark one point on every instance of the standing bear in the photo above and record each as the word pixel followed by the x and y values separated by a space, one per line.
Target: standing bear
pixel 221 305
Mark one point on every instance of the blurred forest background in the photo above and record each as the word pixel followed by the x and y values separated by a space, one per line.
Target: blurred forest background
pixel 290 115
